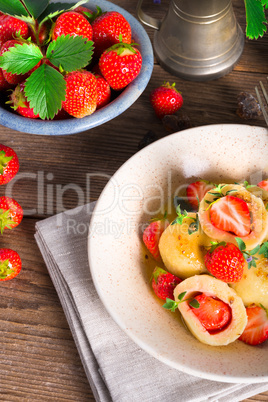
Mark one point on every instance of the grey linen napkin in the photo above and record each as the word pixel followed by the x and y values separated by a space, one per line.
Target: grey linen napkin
pixel 116 368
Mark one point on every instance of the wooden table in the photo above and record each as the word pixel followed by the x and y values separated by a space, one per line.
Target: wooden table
pixel 39 360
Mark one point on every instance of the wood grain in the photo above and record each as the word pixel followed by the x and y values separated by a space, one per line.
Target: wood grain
pixel 38 357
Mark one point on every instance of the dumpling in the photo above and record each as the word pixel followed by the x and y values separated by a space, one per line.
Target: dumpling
pixel 181 252
pixel 207 284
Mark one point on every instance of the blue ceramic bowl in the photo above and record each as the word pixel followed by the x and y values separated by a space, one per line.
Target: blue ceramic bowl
pixel 113 109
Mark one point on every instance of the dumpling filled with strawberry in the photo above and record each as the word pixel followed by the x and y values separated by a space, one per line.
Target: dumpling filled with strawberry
pixel 229 211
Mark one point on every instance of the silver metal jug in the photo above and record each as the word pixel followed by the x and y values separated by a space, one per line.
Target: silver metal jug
pixel 197 40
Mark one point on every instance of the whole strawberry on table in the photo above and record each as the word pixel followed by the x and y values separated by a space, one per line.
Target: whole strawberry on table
pixel 56 58
pixel 11 213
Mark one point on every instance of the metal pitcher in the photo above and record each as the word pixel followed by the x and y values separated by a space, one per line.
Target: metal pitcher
pixel 197 40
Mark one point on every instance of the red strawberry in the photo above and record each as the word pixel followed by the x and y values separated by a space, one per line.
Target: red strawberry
pixel 72 23
pixel 225 261
pixel 212 312
pixel 11 213
pixel 103 92
pixel 3 83
pixel 164 283
pixel 196 191
pixel 231 214
pixel 10 27
pixel 10 264
pixel 263 184
pixel 120 65
pixel 107 29
pixel 152 234
pixel 166 100
pixel 11 78
pixel 81 93
pixel 9 164
pixel 256 331
pixel 20 103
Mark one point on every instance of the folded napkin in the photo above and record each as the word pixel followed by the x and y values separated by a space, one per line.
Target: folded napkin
pixel 116 368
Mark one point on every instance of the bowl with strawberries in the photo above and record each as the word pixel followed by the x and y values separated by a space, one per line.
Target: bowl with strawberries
pixel 57 65
pixel 182 261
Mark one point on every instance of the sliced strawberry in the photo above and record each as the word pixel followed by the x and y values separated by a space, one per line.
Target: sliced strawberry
pixel 231 214
pixel 164 283
pixel 263 184
pixel 195 191
pixel 212 312
pixel 256 331
pixel 151 236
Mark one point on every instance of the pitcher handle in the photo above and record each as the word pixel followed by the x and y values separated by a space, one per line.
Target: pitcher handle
pixel 146 19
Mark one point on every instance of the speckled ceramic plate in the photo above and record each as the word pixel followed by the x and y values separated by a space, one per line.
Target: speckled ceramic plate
pixel 137 190
pixel 110 111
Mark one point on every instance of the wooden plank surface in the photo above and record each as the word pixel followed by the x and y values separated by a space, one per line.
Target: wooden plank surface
pixel 38 357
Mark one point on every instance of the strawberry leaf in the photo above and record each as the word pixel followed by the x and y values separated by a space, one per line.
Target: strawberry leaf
pixel 55 9
pixel 35 8
pixel 194 303
pixel 20 59
pixel 170 305
pixel 13 7
pixel 45 89
pixel 181 296
pixel 70 52
pixel 255 18
pixel 241 244
pixel 264 249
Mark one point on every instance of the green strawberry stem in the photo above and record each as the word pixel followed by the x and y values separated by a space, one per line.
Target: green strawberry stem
pixel 5 220
pixel 4 160
pixel 5 270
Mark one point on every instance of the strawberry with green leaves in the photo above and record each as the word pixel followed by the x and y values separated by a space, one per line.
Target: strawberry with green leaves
pixel 256 331
pixel 166 100
pixel 108 28
pixel 11 27
pixel 225 261
pixel 72 23
pixel 120 64
pixel 164 283
pixel 11 213
pixel 11 78
pixel 10 264
pixel 68 52
pixel 9 164
pixel 152 234
pixel 20 103
pixel 81 93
